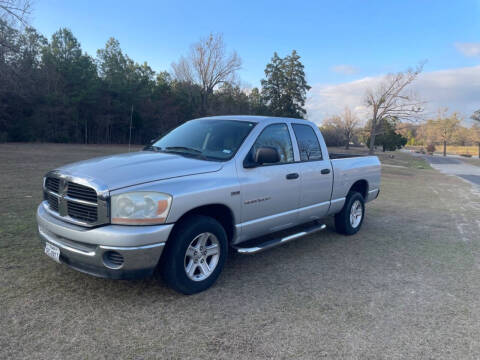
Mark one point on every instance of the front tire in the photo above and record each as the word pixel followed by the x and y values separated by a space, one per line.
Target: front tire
pixel 350 219
pixel 194 255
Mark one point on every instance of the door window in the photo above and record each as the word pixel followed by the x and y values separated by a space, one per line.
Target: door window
pixel 308 144
pixel 277 136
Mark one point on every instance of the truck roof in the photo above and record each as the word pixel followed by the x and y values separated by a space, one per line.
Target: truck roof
pixel 256 119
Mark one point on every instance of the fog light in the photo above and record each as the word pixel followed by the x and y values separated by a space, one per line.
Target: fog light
pixel 112 259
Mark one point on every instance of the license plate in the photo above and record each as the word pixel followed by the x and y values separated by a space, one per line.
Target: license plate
pixel 52 251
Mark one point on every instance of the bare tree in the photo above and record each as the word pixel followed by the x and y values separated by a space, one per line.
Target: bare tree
pixel 476 129
pixel 345 126
pixel 14 11
pixel 446 127
pixel 349 124
pixel 332 132
pixel 207 65
pixel 389 100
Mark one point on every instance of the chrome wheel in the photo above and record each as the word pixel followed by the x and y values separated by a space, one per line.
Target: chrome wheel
pixel 202 256
pixel 356 213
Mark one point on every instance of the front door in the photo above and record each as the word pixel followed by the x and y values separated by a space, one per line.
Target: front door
pixel 270 193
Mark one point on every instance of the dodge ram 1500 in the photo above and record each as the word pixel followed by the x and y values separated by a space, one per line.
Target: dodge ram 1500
pixel 243 182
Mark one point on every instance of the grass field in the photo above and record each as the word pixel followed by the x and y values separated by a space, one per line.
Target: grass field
pixel 389 158
pixel 406 286
pixel 454 149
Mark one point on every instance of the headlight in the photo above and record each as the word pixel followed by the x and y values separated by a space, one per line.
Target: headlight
pixel 140 208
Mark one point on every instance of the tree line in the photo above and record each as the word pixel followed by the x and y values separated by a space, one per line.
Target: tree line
pixel 52 91
pixel 442 130
pixel 346 129
pixel 396 118
pixel 392 133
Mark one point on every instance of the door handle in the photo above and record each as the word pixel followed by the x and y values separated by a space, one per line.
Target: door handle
pixel 325 171
pixel 292 176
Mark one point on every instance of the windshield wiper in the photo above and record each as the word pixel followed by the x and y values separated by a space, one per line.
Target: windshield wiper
pixel 187 151
pixel 152 147
pixel 180 148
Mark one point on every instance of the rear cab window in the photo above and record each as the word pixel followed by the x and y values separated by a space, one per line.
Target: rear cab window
pixel 308 144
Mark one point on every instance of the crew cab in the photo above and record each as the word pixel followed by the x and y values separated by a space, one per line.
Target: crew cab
pixel 242 182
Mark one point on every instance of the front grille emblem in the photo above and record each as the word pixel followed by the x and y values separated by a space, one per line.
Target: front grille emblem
pixel 62 192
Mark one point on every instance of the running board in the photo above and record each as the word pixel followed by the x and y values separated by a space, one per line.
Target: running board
pixel 262 246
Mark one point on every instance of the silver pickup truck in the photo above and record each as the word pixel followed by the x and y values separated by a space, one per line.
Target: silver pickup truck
pixel 242 182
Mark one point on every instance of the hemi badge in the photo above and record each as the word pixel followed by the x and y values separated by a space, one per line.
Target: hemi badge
pixel 233 193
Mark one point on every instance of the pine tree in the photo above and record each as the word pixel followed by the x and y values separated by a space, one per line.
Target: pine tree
pixel 257 104
pixel 296 87
pixel 285 89
pixel 273 85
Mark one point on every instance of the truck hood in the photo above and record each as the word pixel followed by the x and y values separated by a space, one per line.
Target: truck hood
pixel 119 171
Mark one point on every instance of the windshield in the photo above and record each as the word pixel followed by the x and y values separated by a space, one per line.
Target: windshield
pixel 207 139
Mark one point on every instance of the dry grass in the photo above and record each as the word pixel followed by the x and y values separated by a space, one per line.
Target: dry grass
pixel 406 286
pixel 393 158
pixel 454 149
pixel 459 150
pixel 472 161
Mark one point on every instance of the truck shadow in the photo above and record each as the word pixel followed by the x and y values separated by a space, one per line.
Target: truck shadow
pixel 291 265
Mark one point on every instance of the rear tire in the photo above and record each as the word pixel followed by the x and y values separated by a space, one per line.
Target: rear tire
pixel 194 255
pixel 350 219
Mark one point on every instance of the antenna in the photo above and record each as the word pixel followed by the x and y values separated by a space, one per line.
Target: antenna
pixel 130 132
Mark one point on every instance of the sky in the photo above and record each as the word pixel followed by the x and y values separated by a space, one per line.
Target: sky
pixel 346 46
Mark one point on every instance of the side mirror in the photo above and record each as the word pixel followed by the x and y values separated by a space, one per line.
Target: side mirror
pixel 267 155
pixel 263 155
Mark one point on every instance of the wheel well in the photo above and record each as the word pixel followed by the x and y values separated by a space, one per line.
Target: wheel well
pixel 360 186
pixel 219 212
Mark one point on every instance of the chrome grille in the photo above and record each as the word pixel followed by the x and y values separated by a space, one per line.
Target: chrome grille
pixel 52 202
pixel 82 212
pixel 66 198
pixel 77 191
pixel 52 184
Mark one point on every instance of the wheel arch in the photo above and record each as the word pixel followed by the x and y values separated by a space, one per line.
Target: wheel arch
pixel 220 212
pixel 360 186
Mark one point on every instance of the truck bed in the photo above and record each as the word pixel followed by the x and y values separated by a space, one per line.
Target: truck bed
pixel 344 156
pixel 350 168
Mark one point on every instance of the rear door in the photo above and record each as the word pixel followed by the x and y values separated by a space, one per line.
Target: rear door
pixel 270 193
pixel 316 175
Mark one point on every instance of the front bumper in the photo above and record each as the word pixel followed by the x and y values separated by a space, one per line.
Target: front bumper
pixel 88 249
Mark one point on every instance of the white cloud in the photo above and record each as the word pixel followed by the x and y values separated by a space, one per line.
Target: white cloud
pixel 469 49
pixel 344 69
pixel 457 89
